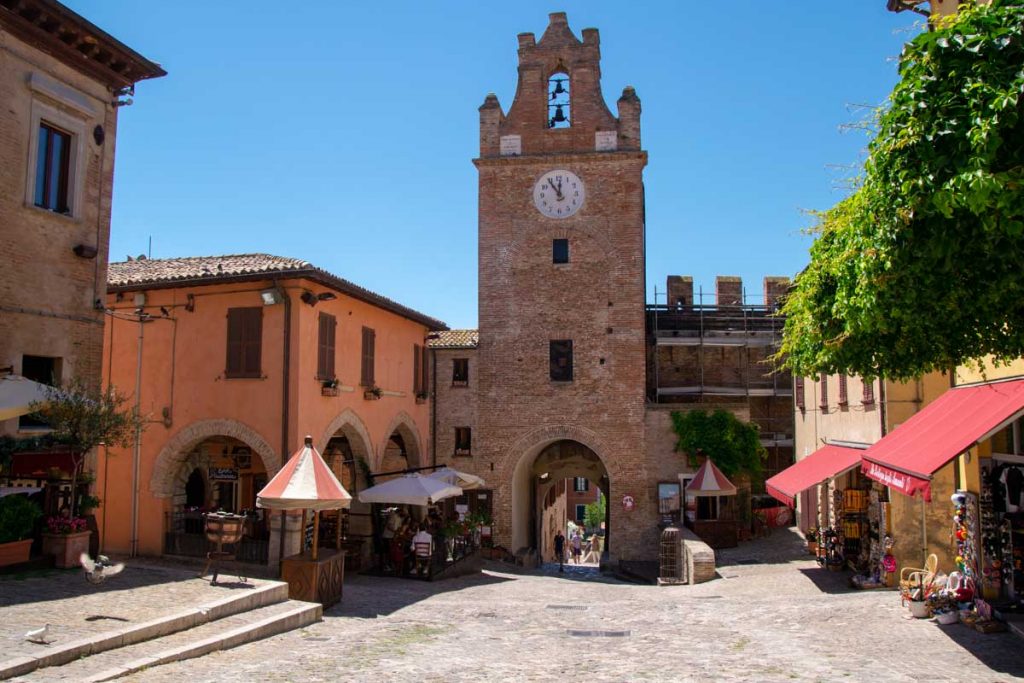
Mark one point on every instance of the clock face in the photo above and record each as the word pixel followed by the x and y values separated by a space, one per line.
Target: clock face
pixel 558 194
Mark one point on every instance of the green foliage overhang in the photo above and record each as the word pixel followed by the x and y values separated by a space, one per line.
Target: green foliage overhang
pixel 921 268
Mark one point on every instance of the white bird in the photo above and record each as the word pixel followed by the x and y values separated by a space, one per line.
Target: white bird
pixel 101 569
pixel 38 635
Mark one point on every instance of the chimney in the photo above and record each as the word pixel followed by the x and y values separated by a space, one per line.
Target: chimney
pixel 680 291
pixel 728 291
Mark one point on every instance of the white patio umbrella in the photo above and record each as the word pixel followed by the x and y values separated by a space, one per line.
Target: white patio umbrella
pixel 463 480
pixel 410 489
pixel 17 393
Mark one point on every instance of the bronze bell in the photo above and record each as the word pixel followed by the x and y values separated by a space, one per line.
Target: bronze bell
pixel 558 89
pixel 559 116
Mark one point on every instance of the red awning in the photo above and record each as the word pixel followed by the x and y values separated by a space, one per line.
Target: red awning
pixel 907 457
pixel 37 464
pixel 824 463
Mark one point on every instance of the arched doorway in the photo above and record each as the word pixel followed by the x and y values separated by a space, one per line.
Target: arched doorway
pixel 540 493
pixel 347 452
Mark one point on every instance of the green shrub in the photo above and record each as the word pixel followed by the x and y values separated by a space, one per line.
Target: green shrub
pixel 17 517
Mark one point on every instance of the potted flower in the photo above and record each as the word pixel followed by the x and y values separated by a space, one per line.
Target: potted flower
pixel 18 516
pixel 66 538
pixel 373 393
pixel 811 536
pixel 329 387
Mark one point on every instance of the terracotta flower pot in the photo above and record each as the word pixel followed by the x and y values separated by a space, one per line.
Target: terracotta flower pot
pixel 66 548
pixel 15 552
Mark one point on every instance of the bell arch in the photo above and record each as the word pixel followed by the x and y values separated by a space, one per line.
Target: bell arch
pixel 168 473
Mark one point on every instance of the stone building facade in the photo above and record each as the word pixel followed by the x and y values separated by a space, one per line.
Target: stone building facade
pixel 62 82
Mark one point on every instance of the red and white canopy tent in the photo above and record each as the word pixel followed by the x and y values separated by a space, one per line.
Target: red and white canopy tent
pixel 709 481
pixel 305 482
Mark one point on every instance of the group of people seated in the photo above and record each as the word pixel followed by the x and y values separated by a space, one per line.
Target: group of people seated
pixel 410 545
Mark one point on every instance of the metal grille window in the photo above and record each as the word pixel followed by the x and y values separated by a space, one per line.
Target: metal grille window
pixel 460 372
pixel 560 251
pixel 561 360
pixel 325 347
pixel 53 168
pixel 245 341
pixel 463 440
pixel 366 377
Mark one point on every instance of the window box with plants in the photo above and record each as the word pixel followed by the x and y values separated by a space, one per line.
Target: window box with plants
pixel 373 393
pixel 329 387
pixel 18 516
pixel 421 397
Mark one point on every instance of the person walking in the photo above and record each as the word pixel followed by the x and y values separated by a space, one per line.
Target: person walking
pixel 577 546
pixel 560 550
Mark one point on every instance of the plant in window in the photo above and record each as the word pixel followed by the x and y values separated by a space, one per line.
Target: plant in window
pixel 330 383
pixel 373 393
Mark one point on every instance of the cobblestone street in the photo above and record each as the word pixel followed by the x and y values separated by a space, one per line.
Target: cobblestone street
pixel 781 618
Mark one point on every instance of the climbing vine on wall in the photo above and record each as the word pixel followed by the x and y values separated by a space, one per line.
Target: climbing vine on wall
pixel 921 268
pixel 732 444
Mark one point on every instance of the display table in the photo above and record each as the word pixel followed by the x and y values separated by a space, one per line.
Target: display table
pixel 317 580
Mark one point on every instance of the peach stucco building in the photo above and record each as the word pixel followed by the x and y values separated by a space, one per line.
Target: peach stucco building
pixel 233 359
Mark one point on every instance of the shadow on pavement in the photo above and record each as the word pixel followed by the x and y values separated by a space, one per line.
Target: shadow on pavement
pixel 781 547
pixel 998 651
pixel 369 597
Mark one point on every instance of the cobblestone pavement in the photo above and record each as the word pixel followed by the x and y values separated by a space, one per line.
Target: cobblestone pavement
pixel 780 619
pixel 75 608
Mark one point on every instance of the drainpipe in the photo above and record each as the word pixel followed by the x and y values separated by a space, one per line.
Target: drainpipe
pixel 433 407
pixel 137 454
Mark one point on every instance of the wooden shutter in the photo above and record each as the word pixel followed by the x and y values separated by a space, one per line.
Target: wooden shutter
pixel 417 369
pixel 842 390
pixel 798 384
pixel 869 392
pixel 245 340
pixel 366 378
pixel 823 401
pixel 325 346
pixel 425 369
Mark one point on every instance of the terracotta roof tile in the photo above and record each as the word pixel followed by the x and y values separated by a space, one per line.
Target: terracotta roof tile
pixel 455 339
pixel 143 273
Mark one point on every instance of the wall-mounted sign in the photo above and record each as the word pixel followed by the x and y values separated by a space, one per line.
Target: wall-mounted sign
pixel 606 141
pixel 628 503
pixel 510 145
pixel 223 474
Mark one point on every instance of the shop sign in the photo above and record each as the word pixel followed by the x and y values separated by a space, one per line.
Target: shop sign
pixel 628 503
pixel 223 474
pixel 904 483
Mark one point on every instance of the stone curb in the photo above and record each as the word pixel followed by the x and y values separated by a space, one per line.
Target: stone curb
pixel 304 614
pixel 261 596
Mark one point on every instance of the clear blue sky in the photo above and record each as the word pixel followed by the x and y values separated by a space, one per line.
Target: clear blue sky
pixel 342 132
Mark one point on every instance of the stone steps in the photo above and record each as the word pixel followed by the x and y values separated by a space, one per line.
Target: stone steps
pixel 200 640
pixel 236 601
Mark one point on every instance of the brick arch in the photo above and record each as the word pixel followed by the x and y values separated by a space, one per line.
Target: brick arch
pixel 167 470
pixel 406 426
pixel 351 425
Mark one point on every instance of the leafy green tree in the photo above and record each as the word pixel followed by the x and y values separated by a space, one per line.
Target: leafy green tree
pixel 84 417
pixel 921 268
pixel 596 511
pixel 732 444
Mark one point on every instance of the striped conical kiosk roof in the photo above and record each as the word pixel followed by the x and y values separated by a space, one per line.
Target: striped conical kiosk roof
pixel 304 482
pixel 709 481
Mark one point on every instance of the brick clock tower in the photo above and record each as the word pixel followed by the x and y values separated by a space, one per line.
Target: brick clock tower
pixel 561 367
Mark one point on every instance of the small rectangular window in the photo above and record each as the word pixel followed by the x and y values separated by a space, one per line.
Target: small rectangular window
pixel 325 347
pixel 463 441
pixel 798 392
pixel 842 390
pixel 53 168
pixel 245 339
pixel 366 375
pixel 868 397
pixel 581 513
pixel 823 399
pixel 561 360
pixel 40 369
pixel 460 372
pixel 581 484
pixel 560 251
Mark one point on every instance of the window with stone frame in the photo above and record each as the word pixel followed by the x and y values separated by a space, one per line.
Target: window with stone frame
pixel 53 168
pixel 460 372
pixel 463 441
pixel 560 354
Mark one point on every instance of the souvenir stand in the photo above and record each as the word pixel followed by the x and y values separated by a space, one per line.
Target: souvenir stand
pixel 715 518
pixel 307 482
pixel 1001 527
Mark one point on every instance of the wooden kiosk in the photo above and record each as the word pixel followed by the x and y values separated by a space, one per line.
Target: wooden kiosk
pixel 307 482
pixel 715 514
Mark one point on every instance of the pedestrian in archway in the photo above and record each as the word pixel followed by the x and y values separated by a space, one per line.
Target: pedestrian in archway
pixel 560 549
pixel 577 546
